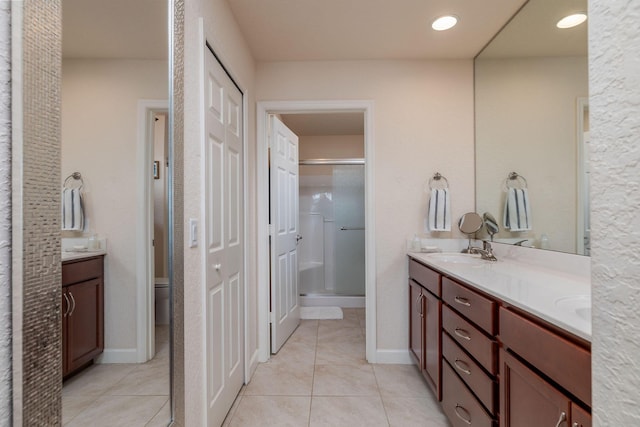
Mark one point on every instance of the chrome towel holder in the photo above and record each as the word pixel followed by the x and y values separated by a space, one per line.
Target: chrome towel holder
pixel 515 180
pixel 436 179
pixel 76 176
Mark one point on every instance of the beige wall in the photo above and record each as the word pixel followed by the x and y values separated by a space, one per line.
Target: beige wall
pixel 526 122
pixel 331 147
pixel 227 41
pixel 423 123
pixel 99 137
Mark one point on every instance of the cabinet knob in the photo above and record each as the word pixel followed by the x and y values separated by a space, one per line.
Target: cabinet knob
pixel 217 267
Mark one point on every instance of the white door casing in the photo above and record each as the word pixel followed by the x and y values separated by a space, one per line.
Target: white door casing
pixel 223 238
pixel 285 315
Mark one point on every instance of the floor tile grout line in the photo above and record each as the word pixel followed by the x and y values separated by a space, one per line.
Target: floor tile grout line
pixel 384 408
pixel 313 374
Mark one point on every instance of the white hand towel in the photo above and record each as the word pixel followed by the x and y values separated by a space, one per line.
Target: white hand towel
pixel 440 210
pixel 517 210
pixel 72 209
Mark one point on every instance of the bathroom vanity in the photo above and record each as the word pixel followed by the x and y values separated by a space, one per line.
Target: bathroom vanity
pixel 501 343
pixel 82 310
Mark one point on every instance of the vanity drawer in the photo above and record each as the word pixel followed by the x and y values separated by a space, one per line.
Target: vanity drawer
pixel 81 270
pixel 470 338
pixel 459 404
pixel 476 379
pixel 475 307
pixel 570 365
pixel 426 277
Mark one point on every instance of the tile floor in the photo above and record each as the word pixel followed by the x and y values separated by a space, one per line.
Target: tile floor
pixel 321 378
pixel 132 395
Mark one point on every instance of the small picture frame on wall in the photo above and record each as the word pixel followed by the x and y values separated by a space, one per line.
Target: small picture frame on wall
pixel 156 169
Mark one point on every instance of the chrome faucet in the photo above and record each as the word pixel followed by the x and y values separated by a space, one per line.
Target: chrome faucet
pixel 521 242
pixel 486 252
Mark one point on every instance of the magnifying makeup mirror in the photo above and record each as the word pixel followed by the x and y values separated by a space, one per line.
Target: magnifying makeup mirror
pixel 470 223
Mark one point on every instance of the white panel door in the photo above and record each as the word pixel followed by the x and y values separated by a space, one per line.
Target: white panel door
pixel 285 310
pixel 223 231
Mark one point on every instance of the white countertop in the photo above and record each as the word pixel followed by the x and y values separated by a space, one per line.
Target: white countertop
pixel 533 288
pixel 70 256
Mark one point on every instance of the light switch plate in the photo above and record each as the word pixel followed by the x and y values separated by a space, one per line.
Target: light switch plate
pixel 193 233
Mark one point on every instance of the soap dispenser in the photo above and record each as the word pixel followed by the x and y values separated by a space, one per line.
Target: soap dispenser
pixel 93 244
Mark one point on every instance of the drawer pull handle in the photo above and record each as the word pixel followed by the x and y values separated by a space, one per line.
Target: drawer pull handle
pixel 462 334
pixel 73 300
pixel 466 419
pixel 462 301
pixel 562 419
pixel 464 369
pixel 576 424
pixel 66 298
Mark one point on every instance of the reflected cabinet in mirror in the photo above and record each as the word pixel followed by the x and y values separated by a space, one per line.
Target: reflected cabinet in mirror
pixel 531 90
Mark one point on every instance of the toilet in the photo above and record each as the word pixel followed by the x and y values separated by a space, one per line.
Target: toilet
pixel 162 300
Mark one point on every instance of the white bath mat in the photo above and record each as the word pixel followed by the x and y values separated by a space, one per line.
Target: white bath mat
pixel 320 313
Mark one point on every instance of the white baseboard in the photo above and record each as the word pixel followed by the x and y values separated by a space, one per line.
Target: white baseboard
pixel 118 355
pixel 398 357
pixel 253 365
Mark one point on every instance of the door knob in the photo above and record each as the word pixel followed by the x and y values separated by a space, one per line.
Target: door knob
pixel 217 267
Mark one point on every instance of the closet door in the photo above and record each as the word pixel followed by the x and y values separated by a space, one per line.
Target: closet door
pixel 223 231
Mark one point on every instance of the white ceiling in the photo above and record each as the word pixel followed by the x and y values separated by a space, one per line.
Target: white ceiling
pixel 301 30
pixel 298 30
pixel 533 32
pixel 114 29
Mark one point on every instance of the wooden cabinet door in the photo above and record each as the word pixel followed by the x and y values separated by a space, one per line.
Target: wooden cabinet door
pixel 416 324
pixel 84 323
pixel 526 399
pixel 432 341
pixel 65 308
pixel 579 417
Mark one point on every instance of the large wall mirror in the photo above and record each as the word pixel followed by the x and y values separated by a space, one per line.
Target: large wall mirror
pixel 531 92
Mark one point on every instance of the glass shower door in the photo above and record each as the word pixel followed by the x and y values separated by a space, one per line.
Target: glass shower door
pixel 348 199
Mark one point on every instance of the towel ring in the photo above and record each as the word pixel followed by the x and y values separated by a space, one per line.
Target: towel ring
pixel 438 178
pixel 76 176
pixel 515 180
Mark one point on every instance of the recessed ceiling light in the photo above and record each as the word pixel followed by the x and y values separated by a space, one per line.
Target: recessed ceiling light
pixel 572 20
pixel 444 23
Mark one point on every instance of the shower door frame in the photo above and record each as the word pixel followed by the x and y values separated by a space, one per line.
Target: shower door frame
pixel 264 108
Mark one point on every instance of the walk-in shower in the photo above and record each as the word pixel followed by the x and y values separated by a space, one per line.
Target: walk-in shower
pixel 332 252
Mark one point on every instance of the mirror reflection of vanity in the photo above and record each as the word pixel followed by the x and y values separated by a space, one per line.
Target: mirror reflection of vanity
pixel 531 89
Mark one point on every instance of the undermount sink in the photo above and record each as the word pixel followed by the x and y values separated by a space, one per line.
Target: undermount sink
pixel 579 304
pixel 457 258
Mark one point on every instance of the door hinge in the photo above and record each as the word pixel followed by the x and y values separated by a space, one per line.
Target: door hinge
pixel 272 317
pixel 270 230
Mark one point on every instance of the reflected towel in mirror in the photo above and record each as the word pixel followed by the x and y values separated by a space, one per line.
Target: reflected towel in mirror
pixel 440 210
pixel 517 210
pixel 72 209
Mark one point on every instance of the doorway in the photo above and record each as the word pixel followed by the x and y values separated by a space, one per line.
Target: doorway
pixel 314 107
